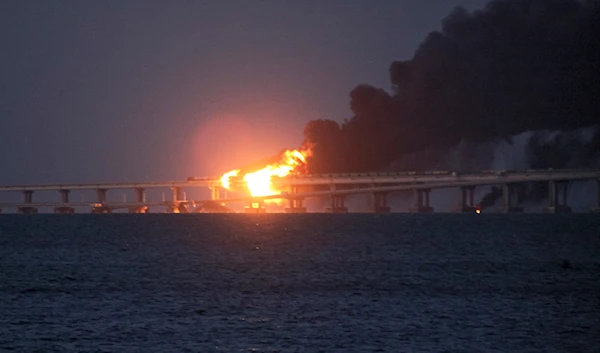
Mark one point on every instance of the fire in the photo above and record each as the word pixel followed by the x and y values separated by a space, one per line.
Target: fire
pixel 260 183
pixel 478 211
pixel 226 176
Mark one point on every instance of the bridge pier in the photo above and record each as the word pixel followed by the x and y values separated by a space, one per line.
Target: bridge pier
pixel 337 205
pixel 556 189
pixel 421 202
pixel 27 210
pixel 27 196
pixel 183 208
pixel 177 208
pixel 510 193
pixel 101 194
pixel 218 193
pixel 27 199
pixel 177 194
pixel 379 203
pixel 255 207
pixel 467 204
pixel 64 199
pixel 140 209
pixel 140 195
pixel 64 210
pixel 296 206
pixel 99 209
pixel 64 195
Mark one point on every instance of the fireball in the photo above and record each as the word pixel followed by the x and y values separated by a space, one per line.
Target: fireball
pixel 225 178
pixel 260 183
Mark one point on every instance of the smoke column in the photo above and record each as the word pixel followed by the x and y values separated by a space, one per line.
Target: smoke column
pixel 512 67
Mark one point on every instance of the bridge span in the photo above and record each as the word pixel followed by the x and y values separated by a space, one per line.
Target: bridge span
pixel 336 187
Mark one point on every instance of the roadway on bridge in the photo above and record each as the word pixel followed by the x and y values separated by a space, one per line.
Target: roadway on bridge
pixel 409 178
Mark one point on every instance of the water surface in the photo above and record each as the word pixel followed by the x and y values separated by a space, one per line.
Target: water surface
pixel 299 283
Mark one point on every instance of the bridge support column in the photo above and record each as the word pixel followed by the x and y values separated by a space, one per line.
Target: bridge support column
pixel 101 193
pixel 510 193
pixel 140 195
pixel 296 206
pixel 176 206
pixel 177 194
pixel 140 198
pixel 64 196
pixel 380 202
pixel 557 197
pixel 64 199
pixel 421 202
pixel 467 204
pixel 99 207
pixel 217 193
pixel 337 205
pixel 255 207
pixel 27 199
pixel 27 196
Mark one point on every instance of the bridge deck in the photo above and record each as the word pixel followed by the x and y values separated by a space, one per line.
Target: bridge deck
pixel 408 179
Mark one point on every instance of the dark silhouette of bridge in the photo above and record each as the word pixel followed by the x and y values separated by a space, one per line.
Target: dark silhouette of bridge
pixel 300 187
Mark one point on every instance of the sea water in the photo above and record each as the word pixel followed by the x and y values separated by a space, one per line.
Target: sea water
pixel 300 283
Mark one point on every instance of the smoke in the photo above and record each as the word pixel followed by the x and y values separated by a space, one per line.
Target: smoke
pixel 563 150
pixel 512 67
pixel 560 150
pixel 490 198
pixel 543 150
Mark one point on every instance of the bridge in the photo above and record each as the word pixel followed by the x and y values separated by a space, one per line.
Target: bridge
pixel 336 187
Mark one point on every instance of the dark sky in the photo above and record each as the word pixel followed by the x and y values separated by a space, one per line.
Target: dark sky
pixel 131 90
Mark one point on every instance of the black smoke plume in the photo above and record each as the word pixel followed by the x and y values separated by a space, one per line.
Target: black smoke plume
pixel 514 66
pixel 491 198
pixel 563 150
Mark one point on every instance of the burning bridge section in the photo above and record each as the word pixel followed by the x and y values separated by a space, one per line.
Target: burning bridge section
pixel 284 180
pixel 283 183
pixel 269 184
pixel 259 181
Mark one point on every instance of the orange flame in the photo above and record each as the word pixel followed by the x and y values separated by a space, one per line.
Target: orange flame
pixel 260 183
pixel 225 178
